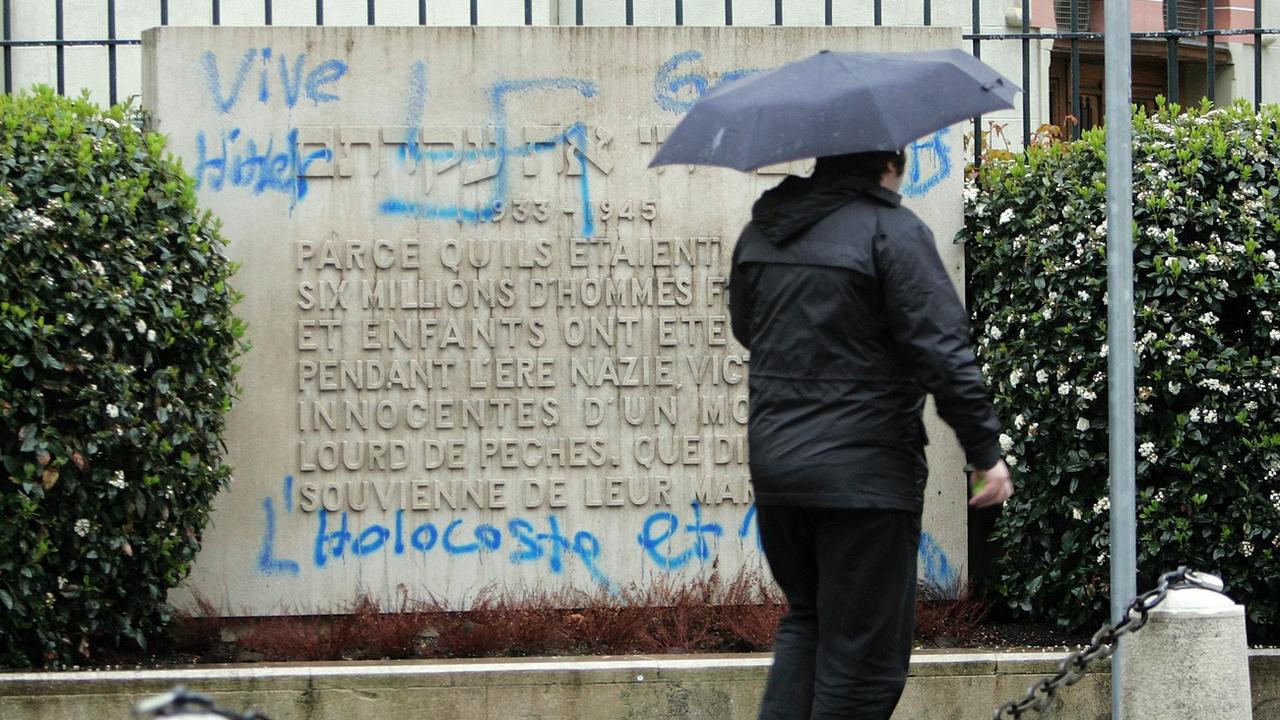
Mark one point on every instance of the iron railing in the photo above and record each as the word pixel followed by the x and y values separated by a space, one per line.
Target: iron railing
pixel 1174 36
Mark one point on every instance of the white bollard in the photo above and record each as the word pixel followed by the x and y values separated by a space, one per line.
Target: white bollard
pixel 1190 661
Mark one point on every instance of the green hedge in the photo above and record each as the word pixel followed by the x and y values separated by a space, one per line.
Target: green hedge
pixel 117 344
pixel 1207 286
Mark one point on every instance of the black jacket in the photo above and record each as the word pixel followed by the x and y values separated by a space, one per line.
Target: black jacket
pixel 840 295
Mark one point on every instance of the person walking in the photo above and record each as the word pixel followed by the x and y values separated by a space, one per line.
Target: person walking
pixel 840 295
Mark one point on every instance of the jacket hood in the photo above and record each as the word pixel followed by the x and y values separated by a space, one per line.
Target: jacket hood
pixel 798 203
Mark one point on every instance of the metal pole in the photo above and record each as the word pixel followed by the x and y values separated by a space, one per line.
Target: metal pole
pixel 1026 74
pixel 1075 70
pixel 1211 68
pixel 1257 56
pixel 111 52
pixel 977 52
pixel 1119 128
pixel 6 22
pixel 928 13
pixel 1171 23
pixel 61 52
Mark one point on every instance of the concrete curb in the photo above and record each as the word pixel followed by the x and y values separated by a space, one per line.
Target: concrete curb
pixel 715 687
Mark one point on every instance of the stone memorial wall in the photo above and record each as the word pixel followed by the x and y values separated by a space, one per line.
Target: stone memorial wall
pixel 491 349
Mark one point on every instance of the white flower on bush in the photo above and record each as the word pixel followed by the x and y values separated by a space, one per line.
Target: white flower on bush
pixel 994 332
pixel 1006 443
pixel 1195 415
pixel 86 355
pixel 1086 394
pixel 1015 377
pixel 1102 558
pixel 117 480
pixel 1082 424
pixel 1101 229
pixel 140 326
pixel 167 285
pixel 970 194
pixel 1148 451
pixel 1042 376
pixel 1251 406
pixel 1275 500
pixel 1246 548
pixel 1275 335
pixel 1083 295
pixel 113 410
pixel 1186 340
pixel 1077 513
pixel 1159 496
pixel 82 527
pixel 1105 351
pixel 1064 389
pixel 1175 388
pixel 151 336
pixel 1011 461
pixel 1006 216
pixel 1210 417
pixel 1143 408
pixel 1209 319
pixel 1102 505
pixel 1019 421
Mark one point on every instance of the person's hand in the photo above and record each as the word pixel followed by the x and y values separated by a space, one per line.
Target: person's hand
pixel 991 486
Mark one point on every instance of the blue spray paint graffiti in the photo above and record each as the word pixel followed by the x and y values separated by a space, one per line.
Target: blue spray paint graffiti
pixel 240 162
pixel 931 154
pixel 502 151
pixel 292 85
pixel 661 527
pixel 665 540
pixel 935 563
pixel 677 93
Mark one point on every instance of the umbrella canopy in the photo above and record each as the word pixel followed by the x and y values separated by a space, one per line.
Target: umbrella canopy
pixel 834 103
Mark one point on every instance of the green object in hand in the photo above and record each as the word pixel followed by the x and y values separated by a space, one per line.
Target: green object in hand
pixel 976 487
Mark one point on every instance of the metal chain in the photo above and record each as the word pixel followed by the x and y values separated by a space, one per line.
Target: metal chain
pixel 1102 645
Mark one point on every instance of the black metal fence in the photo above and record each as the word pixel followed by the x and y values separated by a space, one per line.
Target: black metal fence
pixel 1182 36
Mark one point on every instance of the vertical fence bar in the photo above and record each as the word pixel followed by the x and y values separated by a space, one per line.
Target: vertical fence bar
pixel 7 31
pixel 679 12
pixel 1210 62
pixel 267 14
pixel 977 52
pixel 1171 23
pixel 111 52
pixel 164 12
pixel 630 12
pixel 928 13
pixel 577 12
pixel 475 12
pixel 1075 69
pixel 1120 409
pixel 370 13
pixel 728 13
pixel 777 12
pixel 61 52
pixel 1257 55
pixel 320 12
pixel 828 14
pixel 878 13
pixel 217 12
pixel 1026 74
pixel 422 10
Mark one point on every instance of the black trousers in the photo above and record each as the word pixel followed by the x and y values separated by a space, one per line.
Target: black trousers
pixel 850 576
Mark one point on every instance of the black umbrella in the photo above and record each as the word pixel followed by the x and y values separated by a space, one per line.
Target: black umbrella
pixel 834 103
